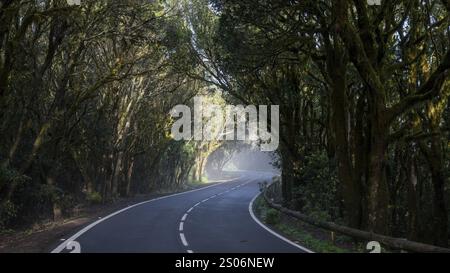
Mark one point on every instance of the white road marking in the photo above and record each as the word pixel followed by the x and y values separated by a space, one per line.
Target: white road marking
pixel 184 217
pixel 183 239
pixel 182 236
pixel 181 226
pixel 250 209
pixel 62 246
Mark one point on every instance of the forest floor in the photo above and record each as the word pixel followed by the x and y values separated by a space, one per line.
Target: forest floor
pixel 313 238
pixel 43 237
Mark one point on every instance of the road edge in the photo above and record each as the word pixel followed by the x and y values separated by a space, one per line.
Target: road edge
pixel 271 231
pixel 63 245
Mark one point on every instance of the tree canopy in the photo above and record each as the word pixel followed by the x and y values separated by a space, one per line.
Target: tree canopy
pixel 86 92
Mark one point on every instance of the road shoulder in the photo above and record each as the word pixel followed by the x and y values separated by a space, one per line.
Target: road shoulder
pixel 307 236
pixel 43 237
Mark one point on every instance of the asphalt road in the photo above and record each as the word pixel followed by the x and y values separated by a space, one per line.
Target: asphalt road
pixel 214 219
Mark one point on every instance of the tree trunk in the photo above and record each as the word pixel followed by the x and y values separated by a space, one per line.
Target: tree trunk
pixel 116 174
pixel 287 179
pixel 351 189
pixel 378 197
pixel 438 179
pixel 129 176
pixel 412 227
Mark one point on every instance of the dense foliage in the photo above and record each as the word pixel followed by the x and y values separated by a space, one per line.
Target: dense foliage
pixel 85 95
pixel 367 86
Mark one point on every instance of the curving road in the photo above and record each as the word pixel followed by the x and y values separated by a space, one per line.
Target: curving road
pixel 213 219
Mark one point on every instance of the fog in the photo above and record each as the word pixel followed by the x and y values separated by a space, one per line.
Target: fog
pixel 246 158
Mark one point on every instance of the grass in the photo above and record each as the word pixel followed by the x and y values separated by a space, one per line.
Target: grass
pixel 195 183
pixel 312 238
pixel 309 240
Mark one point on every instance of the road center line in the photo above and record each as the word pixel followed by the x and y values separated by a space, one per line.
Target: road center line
pixel 183 219
pixel 63 245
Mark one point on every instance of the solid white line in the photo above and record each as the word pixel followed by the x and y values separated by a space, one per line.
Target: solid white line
pixel 85 229
pixel 181 226
pixel 183 239
pixel 189 210
pixel 250 209
pixel 184 217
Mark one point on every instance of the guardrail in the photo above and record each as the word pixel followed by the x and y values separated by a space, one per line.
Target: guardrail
pixel 394 243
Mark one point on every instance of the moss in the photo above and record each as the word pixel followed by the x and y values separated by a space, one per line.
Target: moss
pixel 94 198
pixel 273 218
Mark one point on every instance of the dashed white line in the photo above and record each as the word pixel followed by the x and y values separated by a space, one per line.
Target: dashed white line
pixel 183 219
pixel 63 245
pixel 181 226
